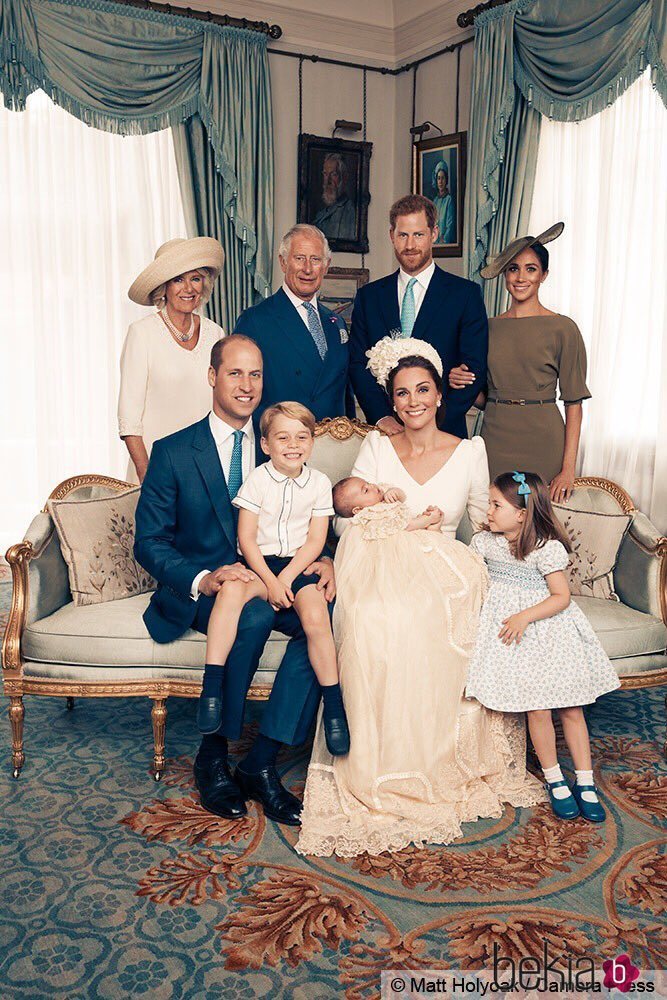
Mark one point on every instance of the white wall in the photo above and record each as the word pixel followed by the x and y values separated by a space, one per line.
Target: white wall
pixel 378 32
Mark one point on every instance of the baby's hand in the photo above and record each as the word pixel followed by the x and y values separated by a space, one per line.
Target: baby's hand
pixel 394 495
pixel 280 594
pixel 513 628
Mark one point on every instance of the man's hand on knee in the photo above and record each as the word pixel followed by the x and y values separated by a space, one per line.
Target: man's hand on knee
pixel 325 570
pixel 212 582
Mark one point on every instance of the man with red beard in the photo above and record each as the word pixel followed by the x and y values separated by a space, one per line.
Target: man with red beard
pixel 337 218
pixel 423 301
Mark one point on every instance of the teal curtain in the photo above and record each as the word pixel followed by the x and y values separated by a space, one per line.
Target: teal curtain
pixel 133 71
pixel 566 59
pixel 203 190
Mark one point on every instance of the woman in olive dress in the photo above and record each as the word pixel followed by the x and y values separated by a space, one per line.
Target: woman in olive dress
pixel 532 352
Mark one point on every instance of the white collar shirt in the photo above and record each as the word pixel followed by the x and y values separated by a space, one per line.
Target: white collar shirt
pixel 223 435
pixel 419 288
pixel 285 506
pixel 300 303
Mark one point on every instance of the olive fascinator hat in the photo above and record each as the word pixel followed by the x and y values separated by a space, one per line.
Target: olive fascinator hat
pixel 496 265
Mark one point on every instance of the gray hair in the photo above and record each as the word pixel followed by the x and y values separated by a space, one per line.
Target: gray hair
pixel 340 160
pixel 159 295
pixel 303 229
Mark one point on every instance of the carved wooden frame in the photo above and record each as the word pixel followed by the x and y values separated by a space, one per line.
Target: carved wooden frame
pixel 18 557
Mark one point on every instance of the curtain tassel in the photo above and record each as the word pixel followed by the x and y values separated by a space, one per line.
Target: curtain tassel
pixel 530 97
pixel 551 111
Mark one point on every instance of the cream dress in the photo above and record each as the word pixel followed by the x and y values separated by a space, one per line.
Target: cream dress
pixel 163 387
pixel 423 760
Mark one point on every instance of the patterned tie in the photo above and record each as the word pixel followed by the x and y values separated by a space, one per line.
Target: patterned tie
pixel 315 327
pixel 408 309
pixel 235 477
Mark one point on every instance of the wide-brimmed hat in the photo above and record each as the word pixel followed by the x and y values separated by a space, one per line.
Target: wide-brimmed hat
pixel 173 258
pixel 496 265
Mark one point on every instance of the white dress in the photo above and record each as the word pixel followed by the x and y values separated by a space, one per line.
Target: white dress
pixel 163 387
pixel 559 662
pixel 422 760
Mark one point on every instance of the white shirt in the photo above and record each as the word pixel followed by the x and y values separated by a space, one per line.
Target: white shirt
pixel 299 304
pixel 419 287
pixel 285 506
pixel 223 435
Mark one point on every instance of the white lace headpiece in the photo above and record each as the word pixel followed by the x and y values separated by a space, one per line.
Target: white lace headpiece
pixel 385 355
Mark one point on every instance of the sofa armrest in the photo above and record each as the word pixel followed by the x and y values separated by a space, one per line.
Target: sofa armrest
pixel 640 576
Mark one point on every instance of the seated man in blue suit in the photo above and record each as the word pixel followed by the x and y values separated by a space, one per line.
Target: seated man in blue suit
pixel 304 344
pixel 419 300
pixel 186 538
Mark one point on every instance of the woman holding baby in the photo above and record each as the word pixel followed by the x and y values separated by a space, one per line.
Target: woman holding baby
pixel 422 758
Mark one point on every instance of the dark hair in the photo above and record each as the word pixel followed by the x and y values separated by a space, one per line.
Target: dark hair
pixel 219 347
pixel 416 361
pixel 341 503
pixel 540 252
pixel 410 203
pixel 540 524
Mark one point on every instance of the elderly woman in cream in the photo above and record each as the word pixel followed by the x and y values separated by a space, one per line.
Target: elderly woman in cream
pixel 165 359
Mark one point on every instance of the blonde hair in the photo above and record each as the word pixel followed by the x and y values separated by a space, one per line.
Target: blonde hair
pixel 158 296
pixel 296 411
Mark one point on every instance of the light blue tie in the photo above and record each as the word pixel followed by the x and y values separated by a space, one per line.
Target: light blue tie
pixel 235 477
pixel 408 309
pixel 315 327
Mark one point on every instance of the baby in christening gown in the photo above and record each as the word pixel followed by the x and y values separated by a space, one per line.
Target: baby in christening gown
pixel 408 598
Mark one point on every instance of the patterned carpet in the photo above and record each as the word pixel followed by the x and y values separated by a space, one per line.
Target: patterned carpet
pixel 117 887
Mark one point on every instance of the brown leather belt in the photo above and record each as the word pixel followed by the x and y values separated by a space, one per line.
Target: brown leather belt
pixel 521 402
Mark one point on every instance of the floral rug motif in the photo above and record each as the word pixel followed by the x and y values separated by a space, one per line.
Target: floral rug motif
pixel 115 886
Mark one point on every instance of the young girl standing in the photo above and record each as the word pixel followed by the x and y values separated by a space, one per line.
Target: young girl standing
pixel 536 650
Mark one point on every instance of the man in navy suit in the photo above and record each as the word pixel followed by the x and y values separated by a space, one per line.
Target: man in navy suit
pixel 419 300
pixel 186 538
pixel 304 344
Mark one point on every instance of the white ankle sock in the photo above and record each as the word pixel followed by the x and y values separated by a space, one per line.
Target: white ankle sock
pixel 586 778
pixel 552 774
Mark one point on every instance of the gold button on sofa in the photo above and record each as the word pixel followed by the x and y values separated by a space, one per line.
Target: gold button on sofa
pixel 52 647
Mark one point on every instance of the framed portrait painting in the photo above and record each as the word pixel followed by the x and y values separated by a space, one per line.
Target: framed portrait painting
pixel 339 287
pixel 333 190
pixel 439 173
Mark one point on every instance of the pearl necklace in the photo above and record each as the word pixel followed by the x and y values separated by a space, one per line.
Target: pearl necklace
pixel 182 337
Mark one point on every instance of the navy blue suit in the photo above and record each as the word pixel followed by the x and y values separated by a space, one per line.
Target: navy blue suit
pixel 451 317
pixel 185 523
pixel 293 368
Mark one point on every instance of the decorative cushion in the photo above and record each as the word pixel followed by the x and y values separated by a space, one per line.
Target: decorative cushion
pixel 596 539
pixel 97 539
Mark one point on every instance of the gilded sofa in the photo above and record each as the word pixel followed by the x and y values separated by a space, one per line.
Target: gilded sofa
pixel 51 647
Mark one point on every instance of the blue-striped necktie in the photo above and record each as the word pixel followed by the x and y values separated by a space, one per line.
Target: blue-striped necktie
pixel 315 327
pixel 408 312
pixel 235 477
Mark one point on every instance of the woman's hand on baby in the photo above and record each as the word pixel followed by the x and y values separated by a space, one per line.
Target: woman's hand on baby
pixel 394 495
pixel 280 594
pixel 435 516
pixel 460 377
pixel 513 628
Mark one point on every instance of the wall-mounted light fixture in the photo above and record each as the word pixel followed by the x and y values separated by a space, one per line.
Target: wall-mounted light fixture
pixel 417 131
pixel 346 126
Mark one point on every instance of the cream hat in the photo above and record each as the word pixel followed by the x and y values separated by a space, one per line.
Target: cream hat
pixel 174 258
pixel 496 265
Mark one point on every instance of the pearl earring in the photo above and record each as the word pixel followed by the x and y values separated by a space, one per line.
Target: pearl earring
pixel 439 402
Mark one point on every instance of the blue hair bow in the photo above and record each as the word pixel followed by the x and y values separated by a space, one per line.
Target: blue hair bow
pixel 520 478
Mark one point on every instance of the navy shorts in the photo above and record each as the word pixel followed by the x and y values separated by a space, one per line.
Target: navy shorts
pixel 278 563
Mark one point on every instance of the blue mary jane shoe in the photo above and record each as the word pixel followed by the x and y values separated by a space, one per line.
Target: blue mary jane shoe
pixel 566 808
pixel 592 811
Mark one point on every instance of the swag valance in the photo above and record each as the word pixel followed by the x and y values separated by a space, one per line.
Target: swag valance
pixel 132 71
pixel 564 59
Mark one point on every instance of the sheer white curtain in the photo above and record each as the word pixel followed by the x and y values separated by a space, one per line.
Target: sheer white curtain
pixel 81 212
pixel 606 178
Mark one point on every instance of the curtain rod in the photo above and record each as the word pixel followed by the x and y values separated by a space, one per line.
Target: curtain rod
pixel 467 17
pixel 225 20
pixel 384 70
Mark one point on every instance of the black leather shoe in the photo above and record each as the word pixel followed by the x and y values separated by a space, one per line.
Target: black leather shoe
pixel 337 735
pixel 209 714
pixel 265 788
pixel 218 792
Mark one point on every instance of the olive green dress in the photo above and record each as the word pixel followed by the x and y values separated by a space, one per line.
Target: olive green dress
pixel 528 357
